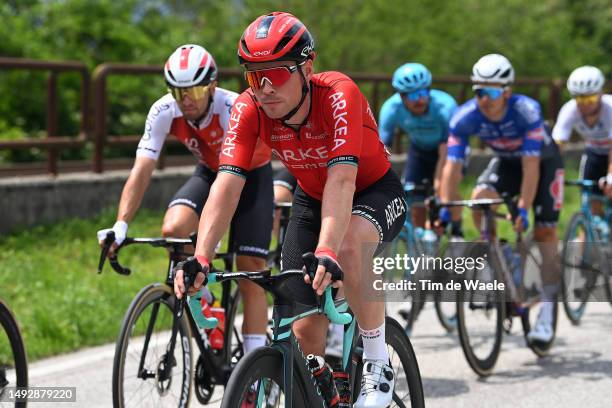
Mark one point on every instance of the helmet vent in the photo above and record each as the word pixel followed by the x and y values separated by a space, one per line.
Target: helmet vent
pixel 264 27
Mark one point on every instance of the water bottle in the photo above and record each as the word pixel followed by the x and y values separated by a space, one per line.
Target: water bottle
pixel 513 261
pixel 322 372
pixel 429 241
pixel 216 335
pixel 602 226
pixel 341 379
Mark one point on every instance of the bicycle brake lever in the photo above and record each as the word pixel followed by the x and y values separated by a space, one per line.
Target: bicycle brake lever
pixel 325 302
pixel 108 241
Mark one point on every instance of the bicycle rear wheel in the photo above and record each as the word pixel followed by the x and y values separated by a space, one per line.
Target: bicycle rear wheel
pixel 142 372
pixel 406 245
pixel 480 314
pixel 408 391
pixel 13 361
pixel 578 267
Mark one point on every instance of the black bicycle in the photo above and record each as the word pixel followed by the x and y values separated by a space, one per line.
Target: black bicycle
pixel 278 375
pixel 13 360
pixel 485 310
pixel 153 355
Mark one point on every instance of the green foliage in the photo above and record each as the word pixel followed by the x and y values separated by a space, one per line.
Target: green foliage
pixel 547 38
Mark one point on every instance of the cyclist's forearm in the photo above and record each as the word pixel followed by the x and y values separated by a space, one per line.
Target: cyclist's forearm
pixel 336 206
pixel 135 188
pixel 529 184
pixel 610 161
pixel 218 212
pixel 442 152
pixel 450 179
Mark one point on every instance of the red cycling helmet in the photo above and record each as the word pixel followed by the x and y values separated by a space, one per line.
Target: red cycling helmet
pixel 277 36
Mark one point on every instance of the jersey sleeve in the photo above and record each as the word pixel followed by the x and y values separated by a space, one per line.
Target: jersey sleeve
pixel 157 127
pixel 564 124
pixel 535 133
pixel 447 109
pixel 241 137
pixel 344 109
pixel 386 122
pixel 458 137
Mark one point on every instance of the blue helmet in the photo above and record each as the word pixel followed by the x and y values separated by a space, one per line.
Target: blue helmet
pixel 411 77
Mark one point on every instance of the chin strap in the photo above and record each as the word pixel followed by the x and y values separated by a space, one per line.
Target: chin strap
pixel 299 105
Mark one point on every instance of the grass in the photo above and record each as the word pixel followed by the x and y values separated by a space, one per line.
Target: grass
pixel 47 277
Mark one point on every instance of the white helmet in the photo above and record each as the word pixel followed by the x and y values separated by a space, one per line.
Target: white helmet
pixel 493 68
pixel 190 65
pixel 586 80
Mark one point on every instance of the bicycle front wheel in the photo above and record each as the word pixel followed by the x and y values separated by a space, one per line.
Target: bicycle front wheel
pixel 258 381
pixel 13 362
pixel 408 391
pixel 144 374
pixel 578 267
pixel 480 314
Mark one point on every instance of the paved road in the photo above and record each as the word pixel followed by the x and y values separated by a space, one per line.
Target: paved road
pixel 577 374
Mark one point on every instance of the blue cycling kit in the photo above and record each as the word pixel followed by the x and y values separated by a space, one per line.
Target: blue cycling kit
pixel 520 132
pixel 426 131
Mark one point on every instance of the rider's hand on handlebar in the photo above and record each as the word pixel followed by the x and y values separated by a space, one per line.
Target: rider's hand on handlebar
pixel 198 267
pixel 328 271
pixel 605 184
pixel 521 222
pixel 120 229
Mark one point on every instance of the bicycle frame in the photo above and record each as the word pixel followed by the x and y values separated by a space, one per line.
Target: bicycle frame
pixel 286 312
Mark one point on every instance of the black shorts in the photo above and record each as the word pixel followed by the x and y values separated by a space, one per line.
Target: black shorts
pixel 420 166
pixel 593 167
pixel 505 175
pixel 252 223
pixel 382 204
pixel 284 178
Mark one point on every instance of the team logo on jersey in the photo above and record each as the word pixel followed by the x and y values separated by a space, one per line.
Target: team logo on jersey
pixel 556 189
pixel 281 137
pixel 340 119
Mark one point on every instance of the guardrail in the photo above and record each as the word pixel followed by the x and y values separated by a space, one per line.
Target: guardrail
pixel 53 142
pixel 95 106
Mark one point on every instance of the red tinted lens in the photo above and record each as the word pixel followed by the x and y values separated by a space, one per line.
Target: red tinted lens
pixel 276 76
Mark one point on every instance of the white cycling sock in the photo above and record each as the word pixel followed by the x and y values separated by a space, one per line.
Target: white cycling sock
pixel 374 346
pixel 252 341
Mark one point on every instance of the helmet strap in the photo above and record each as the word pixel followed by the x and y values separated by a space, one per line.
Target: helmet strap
pixel 302 99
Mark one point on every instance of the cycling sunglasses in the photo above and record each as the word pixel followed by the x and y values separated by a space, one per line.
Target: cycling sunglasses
pixel 193 92
pixel 275 76
pixel 416 95
pixel 586 99
pixel 491 93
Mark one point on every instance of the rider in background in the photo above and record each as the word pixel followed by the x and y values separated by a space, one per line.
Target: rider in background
pixel 589 113
pixel 527 163
pixel 423 114
pixel 348 200
pixel 197 112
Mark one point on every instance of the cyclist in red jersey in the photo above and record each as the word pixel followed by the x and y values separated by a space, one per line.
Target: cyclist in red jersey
pixel 197 112
pixel 348 200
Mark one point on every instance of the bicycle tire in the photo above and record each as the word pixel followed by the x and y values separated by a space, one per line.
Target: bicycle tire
pixel 20 364
pixel 448 322
pixel 396 338
pixel 257 366
pixel 415 304
pixel 483 367
pixel 152 295
pixel 574 314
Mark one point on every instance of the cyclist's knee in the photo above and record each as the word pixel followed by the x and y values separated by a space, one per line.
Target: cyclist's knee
pixel 179 221
pixel 282 194
pixel 483 191
pixel 250 263
pixel 545 233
